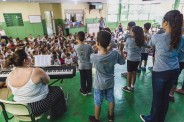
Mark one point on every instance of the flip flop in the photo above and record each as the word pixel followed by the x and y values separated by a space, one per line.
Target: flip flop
pixel 181 91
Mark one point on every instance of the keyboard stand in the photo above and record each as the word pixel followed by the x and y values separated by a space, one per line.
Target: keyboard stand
pixel 56 81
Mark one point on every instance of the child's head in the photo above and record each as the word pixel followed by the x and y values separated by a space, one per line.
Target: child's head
pixel 147 26
pixel 55 57
pixel 103 38
pixel 8 50
pixel 138 34
pixel 1 56
pixel 107 29
pixel 68 55
pixel 172 23
pixel 130 25
pixel 80 36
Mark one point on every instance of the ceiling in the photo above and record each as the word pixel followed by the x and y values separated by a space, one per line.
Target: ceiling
pixel 79 1
pixel 57 1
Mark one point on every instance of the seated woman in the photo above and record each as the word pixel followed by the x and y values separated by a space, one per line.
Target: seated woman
pixel 30 85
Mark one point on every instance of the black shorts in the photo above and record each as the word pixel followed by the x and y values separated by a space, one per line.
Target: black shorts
pixel 181 68
pixel 132 65
pixel 144 56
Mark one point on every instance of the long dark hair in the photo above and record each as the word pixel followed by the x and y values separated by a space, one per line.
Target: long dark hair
pixel 175 20
pixel 138 35
pixel 17 59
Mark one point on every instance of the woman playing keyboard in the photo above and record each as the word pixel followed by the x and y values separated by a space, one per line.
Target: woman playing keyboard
pixel 30 85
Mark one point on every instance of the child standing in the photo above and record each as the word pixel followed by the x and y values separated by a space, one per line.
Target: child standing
pixel 133 44
pixel 104 63
pixel 166 65
pixel 181 65
pixel 85 67
pixel 144 50
pixel 129 27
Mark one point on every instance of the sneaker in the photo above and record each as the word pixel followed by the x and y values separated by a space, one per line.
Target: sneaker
pixel 83 92
pixel 110 118
pixel 171 99
pixel 142 118
pixel 139 70
pixel 124 75
pixel 150 68
pixel 93 119
pixel 181 91
pixel 125 88
pixel 90 93
pixel 143 68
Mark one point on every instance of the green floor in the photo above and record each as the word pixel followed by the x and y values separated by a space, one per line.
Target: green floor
pixel 128 105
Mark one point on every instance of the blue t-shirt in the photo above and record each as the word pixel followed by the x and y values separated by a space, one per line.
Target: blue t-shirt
pixel 101 23
pixel 181 50
pixel 165 59
pixel 104 64
pixel 133 51
pixel 83 52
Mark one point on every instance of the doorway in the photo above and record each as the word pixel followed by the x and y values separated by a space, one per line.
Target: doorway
pixel 50 23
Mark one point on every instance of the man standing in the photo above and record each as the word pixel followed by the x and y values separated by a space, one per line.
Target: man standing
pixel 101 24
pixel 67 26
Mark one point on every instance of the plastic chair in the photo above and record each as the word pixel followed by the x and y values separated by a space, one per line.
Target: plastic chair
pixel 20 111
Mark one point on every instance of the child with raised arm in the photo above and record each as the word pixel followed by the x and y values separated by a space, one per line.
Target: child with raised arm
pixel 104 63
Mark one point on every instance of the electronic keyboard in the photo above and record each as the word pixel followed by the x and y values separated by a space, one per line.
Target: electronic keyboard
pixel 54 72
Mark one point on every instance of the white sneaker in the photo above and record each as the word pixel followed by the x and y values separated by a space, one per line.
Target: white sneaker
pixel 142 118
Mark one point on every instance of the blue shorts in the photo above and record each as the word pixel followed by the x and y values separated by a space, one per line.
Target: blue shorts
pixel 99 94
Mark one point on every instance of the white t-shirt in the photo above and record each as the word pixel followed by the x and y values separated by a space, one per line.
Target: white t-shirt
pixel 63 55
pixel 68 61
pixel 73 54
pixel 57 62
pixel 67 24
pixel 31 39
pixel 2 61
pixel 2 33
pixel 7 54
pixel 30 50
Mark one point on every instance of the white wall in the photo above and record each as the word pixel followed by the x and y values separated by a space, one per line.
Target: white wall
pixel 25 8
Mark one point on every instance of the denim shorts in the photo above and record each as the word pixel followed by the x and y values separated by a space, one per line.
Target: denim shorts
pixel 99 94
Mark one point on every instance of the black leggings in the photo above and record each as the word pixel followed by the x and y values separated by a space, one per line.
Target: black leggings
pixel 181 68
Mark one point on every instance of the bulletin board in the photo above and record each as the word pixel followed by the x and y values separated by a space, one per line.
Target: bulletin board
pixel 35 19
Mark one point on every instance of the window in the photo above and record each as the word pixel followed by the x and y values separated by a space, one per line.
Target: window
pixel 113 8
pixel 13 19
pixel 75 16
pixel 112 18
pixel 181 8
pixel 133 16
pixel 143 16
pixel 133 11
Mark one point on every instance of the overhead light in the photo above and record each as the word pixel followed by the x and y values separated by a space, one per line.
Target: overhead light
pixel 3 0
pixel 75 2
